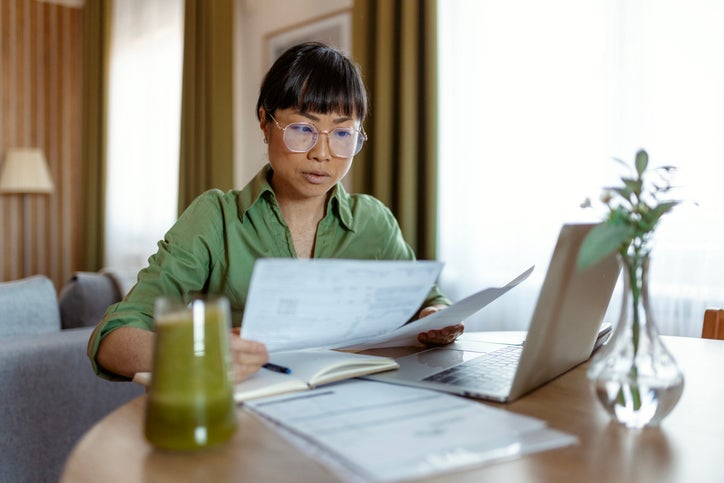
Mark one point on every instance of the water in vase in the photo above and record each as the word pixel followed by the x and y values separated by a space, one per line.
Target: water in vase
pixel 636 406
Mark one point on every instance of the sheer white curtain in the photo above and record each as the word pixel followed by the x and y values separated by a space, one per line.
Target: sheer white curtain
pixel 144 125
pixel 536 98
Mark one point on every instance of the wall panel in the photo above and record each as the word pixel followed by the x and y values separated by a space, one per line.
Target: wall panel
pixel 40 106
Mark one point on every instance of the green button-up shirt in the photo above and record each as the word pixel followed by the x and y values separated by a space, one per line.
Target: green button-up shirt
pixel 215 242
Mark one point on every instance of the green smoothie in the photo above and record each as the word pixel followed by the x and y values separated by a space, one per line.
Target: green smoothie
pixel 190 400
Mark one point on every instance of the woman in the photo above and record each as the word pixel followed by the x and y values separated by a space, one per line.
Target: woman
pixel 311 107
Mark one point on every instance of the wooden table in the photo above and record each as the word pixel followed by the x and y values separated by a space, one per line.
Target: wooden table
pixel 687 447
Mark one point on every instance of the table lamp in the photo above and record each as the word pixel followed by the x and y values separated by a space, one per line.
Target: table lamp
pixel 25 172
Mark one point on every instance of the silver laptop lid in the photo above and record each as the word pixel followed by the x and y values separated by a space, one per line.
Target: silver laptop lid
pixel 567 316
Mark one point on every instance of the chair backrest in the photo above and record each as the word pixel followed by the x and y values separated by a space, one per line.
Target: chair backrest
pixel 85 298
pixel 713 327
pixel 28 306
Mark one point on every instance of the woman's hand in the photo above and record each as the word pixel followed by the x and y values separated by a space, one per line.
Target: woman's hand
pixel 443 336
pixel 247 356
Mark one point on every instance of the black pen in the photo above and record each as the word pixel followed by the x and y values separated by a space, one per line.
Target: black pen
pixel 277 368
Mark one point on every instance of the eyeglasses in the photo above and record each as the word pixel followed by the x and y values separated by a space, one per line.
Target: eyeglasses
pixel 301 137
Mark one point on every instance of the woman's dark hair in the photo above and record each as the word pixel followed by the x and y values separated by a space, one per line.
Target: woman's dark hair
pixel 314 77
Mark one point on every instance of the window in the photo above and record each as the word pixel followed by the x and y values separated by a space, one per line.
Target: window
pixel 144 128
pixel 536 99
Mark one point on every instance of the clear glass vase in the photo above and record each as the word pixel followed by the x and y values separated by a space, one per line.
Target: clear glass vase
pixel 634 375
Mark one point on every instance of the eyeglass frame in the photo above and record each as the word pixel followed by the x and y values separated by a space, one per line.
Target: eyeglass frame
pixel 361 132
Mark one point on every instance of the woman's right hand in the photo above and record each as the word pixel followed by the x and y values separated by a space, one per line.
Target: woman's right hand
pixel 247 356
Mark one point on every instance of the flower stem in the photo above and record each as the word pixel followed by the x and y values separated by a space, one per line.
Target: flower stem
pixel 633 264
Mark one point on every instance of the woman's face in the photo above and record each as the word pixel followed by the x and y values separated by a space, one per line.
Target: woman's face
pixel 311 174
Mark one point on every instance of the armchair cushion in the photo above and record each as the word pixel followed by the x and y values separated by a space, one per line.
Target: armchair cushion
pixel 28 306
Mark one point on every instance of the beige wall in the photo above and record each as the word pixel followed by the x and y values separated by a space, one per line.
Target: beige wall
pixel 255 20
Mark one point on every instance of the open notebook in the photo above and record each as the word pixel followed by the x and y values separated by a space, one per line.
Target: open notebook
pixel 307 369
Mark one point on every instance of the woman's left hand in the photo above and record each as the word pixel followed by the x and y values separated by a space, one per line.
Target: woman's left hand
pixel 443 336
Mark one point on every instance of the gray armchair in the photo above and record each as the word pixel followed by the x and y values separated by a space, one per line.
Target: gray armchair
pixel 50 396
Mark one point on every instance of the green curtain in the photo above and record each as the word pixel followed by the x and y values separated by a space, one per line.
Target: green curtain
pixel 394 41
pixel 96 35
pixel 207 144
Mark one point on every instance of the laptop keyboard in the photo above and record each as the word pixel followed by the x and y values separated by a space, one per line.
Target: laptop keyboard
pixel 491 372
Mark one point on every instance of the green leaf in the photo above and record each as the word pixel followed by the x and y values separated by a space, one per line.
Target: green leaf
pixel 666 206
pixel 633 185
pixel 624 193
pixel 642 160
pixel 650 218
pixel 603 239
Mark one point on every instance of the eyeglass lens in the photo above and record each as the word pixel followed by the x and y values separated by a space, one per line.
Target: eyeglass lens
pixel 300 137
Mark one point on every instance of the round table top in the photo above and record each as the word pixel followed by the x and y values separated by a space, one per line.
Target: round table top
pixel 687 447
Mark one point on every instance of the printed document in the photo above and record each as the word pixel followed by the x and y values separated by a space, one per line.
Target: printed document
pixel 301 304
pixel 333 303
pixel 372 431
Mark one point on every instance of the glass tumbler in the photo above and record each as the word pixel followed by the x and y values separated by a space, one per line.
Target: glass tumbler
pixel 190 403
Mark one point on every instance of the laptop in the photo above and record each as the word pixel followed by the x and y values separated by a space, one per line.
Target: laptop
pixel 563 332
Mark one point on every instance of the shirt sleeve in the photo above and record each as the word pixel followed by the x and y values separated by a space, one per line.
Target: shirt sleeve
pixel 180 266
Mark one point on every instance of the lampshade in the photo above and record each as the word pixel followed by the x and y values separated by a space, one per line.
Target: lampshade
pixel 25 171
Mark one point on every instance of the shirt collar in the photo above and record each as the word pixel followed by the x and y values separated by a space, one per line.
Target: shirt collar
pixel 259 187
pixel 254 191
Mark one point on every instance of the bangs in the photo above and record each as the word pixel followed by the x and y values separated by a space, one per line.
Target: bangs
pixel 325 92
pixel 314 78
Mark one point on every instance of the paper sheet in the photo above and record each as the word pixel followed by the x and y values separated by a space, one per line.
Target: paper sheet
pixel 460 311
pixel 299 304
pixel 383 432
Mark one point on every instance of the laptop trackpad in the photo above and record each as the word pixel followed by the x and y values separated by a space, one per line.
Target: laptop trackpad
pixel 432 361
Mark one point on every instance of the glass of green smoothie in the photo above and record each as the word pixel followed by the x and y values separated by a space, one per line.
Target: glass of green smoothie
pixel 190 401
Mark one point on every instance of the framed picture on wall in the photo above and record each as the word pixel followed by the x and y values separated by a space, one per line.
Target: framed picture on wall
pixel 334 28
